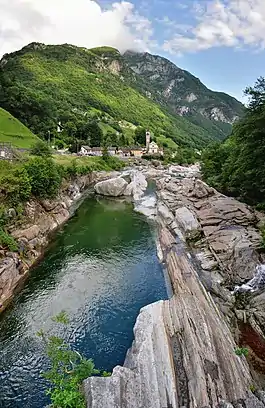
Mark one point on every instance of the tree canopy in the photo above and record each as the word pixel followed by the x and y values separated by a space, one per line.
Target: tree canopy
pixel 237 166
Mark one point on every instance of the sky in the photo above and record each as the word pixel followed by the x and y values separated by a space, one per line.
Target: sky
pixel 222 42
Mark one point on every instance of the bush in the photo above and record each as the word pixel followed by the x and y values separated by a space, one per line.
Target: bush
pixel 114 163
pixel 150 157
pixel 41 149
pixel 7 241
pixel 15 186
pixel 68 370
pixel 241 351
pixel 45 177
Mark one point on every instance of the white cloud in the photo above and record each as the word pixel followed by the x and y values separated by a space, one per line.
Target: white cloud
pixel 229 23
pixel 79 22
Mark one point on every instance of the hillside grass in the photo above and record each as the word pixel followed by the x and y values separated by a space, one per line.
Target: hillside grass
pixel 87 164
pixel 14 132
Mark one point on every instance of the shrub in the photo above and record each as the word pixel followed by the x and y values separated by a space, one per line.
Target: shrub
pixel 241 351
pixel 7 241
pixel 114 163
pixel 45 177
pixel 3 216
pixel 41 149
pixel 15 186
pixel 153 157
pixel 68 370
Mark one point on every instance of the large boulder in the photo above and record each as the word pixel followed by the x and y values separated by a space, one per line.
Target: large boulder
pixel 114 187
pixel 137 186
pixel 28 233
pixel 9 278
pixel 187 222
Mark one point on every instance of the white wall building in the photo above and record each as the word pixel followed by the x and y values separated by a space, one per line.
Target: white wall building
pixel 153 148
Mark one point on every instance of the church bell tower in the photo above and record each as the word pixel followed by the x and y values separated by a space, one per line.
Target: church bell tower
pixel 148 140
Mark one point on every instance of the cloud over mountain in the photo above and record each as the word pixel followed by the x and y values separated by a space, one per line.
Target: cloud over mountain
pixel 80 22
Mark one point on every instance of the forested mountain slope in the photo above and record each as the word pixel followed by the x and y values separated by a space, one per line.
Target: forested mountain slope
pixel 184 94
pixel 41 85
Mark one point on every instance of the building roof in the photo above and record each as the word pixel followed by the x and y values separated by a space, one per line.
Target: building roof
pixel 96 149
pixel 137 148
pixel 86 147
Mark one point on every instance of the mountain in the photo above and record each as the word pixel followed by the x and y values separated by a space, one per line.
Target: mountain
pixel 14 132
pixel 43 84
pixel 184 94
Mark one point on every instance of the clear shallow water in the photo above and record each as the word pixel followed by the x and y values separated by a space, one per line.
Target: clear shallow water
pixel 101 269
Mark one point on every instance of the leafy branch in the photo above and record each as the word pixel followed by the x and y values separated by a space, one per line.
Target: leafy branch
pixel 68 369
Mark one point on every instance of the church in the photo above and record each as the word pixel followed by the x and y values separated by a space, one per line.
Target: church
pixel 152 148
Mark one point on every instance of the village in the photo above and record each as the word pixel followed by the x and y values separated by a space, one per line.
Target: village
pixel 150 149
pixel 8 152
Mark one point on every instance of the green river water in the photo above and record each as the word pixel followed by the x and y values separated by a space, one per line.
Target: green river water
pixel 101 268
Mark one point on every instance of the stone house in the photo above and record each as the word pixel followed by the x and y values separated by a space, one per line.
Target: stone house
pixel 112 151
pixel 96 151
pixel 137 151
pixel 85 151
pixel 154 149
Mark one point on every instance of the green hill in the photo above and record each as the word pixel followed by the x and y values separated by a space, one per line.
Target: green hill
pixel 14 132
pixel 42 85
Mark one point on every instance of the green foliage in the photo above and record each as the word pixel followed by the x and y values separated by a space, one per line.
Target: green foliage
pixel 83 165
pixel 14 132
pixel 105 154
pixel 3 216
pixel 151 157
pixel 140 136
pixel 94 134
pixel 241 351
pixel 184 156
pixel 68 370
pixel 252 388
pixel 114 163
pixel 45 177
pixel 7 241
pixel 237 166
pixel 166 142
pixel 41 149
pixel 15 185
pixel 62 318
pixel 213 159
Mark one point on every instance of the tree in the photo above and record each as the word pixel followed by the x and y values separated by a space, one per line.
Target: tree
pixel 105 154
pixel 93 133
pixel 140 136
pixel 237 166
pixel 110 139
pixel 41 149
pixel 256 94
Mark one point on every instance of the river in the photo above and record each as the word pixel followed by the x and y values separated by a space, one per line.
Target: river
pixel 101 268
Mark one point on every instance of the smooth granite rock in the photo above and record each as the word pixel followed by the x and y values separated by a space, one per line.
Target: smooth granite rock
pixel 113 187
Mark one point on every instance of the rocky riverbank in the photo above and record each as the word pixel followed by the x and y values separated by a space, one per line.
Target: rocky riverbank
pixel 184 350
pixel 41 218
